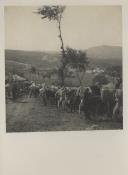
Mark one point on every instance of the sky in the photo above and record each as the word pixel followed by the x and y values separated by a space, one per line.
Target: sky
pixel 82 27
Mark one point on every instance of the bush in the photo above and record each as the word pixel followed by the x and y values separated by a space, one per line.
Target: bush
pixel 100 78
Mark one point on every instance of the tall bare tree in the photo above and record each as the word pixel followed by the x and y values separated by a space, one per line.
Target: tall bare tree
pixel 55 13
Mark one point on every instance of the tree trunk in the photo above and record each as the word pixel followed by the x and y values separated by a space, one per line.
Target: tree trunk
pixel 62 67
pixel 80 78
pixel 61 74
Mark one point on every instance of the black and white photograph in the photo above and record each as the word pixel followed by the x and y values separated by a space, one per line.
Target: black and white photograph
pixel 63 68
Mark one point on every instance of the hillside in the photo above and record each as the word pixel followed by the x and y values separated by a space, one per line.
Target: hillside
pixel 34 58
pixel 101 55
pixel 105 52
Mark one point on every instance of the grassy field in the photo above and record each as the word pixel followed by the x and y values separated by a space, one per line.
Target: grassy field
pixel 28 115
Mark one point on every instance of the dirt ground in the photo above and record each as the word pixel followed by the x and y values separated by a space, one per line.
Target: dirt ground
pixel 29 115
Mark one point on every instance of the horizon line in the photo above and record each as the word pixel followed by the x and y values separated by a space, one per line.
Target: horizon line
pixel 105 45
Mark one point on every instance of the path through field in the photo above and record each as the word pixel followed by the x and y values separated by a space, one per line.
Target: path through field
pixel 28 115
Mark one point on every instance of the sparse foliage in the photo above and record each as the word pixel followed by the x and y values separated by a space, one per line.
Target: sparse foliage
pixel 100 79
pixel 51 12
pixel 114 71
pixel 77 59
pixel 33 70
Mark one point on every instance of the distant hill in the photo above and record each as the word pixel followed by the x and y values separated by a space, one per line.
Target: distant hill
pixel 105 52
pixel 34 58
pixel 101 55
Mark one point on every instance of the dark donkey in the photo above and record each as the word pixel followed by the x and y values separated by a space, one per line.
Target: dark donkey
pixel 91 104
